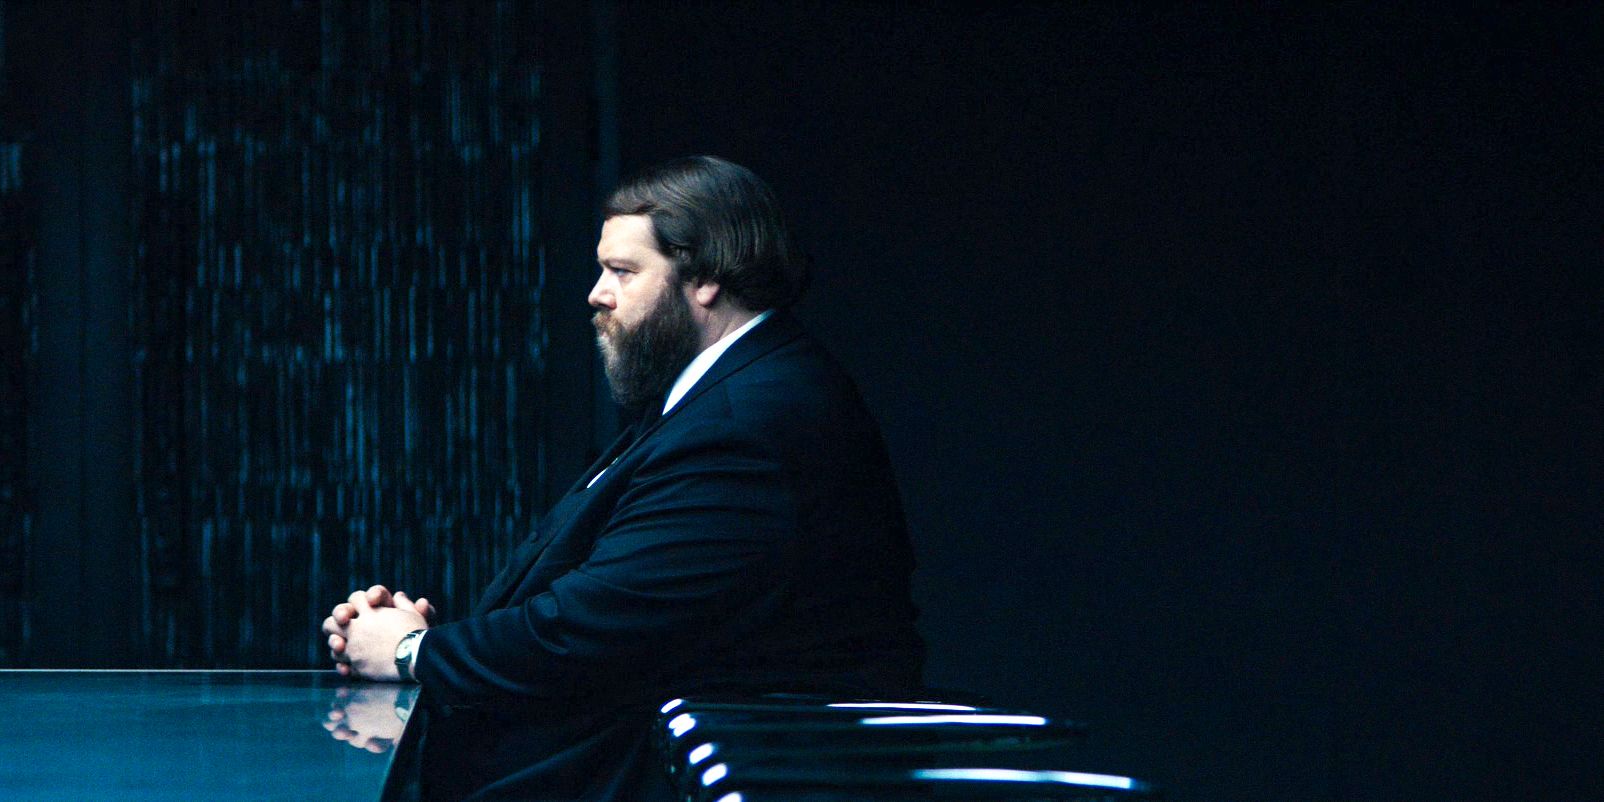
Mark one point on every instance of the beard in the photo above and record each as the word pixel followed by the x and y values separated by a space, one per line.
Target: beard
pixel 642 362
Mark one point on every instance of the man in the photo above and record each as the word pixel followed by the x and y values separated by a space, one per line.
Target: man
pixel 744 535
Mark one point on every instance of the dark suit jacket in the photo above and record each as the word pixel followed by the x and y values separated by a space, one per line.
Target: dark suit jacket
pixel 750 540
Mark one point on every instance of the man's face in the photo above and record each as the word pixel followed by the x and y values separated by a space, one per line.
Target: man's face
pixel 643 322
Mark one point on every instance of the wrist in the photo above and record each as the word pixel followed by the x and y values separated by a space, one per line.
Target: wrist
pixel 406 655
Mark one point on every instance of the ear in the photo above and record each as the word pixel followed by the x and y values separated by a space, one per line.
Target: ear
pixel 705 293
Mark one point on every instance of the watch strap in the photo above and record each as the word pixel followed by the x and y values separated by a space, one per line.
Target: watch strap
pixel 406 653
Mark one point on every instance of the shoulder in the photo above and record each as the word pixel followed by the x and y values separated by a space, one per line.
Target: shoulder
pixel 798 381
pixel 781 392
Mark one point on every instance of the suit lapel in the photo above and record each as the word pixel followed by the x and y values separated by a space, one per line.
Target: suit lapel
pixel 778 330
pixel 523 558
pixel 625 439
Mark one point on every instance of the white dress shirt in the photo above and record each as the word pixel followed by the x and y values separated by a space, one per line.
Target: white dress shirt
pixel 699 366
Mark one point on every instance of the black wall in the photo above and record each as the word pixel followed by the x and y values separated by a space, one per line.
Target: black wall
pixel 1241 366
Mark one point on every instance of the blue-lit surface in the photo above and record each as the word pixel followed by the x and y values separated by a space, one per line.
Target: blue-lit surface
pixel 900 706
pixel 1026 721
pixel 196 735
pixel 702 753
pixel 714 774
pixel 1022 776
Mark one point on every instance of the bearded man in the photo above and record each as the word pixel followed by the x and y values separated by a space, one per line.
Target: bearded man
pixel 743 535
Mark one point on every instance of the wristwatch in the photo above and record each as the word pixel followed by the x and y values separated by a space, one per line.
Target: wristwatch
pixel 406 652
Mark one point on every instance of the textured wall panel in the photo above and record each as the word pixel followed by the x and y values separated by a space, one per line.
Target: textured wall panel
pixel 339 338
pixel 17 305
pixel 16 309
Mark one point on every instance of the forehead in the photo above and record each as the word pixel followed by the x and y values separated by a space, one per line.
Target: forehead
pixel 628 236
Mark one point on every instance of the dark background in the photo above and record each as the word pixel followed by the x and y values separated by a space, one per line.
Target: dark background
pixel 1241 366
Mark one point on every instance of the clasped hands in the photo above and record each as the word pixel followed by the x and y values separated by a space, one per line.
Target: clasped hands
pixel 365 629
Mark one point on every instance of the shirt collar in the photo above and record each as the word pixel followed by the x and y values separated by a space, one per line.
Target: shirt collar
pixel 699 366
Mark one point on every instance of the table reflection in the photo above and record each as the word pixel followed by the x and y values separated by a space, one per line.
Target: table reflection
pixel 161 735
pixel 370 716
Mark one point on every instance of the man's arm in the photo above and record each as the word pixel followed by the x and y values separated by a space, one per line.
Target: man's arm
pixel 701 533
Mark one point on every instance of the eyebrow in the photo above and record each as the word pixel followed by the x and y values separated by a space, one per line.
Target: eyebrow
pixel 616 262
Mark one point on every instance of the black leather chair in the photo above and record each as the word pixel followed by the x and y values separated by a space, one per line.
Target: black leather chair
pixel 839 783
pixel 804 747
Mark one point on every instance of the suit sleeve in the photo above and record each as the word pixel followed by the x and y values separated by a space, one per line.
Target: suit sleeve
pixel 698 536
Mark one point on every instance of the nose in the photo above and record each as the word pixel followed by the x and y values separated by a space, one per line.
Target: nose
pixel 601 295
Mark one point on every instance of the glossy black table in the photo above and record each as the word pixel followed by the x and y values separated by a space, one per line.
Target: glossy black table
pixel 195 735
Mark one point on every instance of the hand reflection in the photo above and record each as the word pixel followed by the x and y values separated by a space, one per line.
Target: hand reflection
pixel 369 715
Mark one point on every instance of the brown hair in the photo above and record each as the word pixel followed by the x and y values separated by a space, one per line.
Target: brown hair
pixel 718 222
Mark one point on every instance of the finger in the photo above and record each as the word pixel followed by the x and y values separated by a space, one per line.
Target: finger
pixel 378 596
pixel 343 669
pixel 343 613
pixel 359 600
pixel 403 603
pixel 377 746
pixel 337 646
pixel 424 608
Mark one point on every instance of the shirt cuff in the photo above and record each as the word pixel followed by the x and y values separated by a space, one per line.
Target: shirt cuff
pixel 412 662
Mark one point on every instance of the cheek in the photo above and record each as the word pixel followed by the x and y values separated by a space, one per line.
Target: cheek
pixel 631 306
